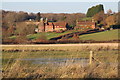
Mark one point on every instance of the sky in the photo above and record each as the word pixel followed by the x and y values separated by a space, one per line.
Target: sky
pixel 60 0
pixel 52 6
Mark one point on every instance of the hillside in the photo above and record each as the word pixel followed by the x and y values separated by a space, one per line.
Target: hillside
pixel 101 36
pixel 48 35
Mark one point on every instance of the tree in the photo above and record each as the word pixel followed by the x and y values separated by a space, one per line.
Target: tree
pixel 118 18
pixel 11 30
pixel 15 17
pixel 24 29
pixel 38 16
pixel 32 16
pixel 5 33
pixel 69 18
pixel 109 12
pixel 99 17
pixel 110 20
pixel 21 16
pixel 94 10
pixel 21 39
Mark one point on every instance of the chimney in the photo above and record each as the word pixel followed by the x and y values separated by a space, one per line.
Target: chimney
pixel 41 19
pixel 93 20
pixel 46 21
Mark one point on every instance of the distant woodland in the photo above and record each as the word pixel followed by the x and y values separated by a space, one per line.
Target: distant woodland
pixel 10 18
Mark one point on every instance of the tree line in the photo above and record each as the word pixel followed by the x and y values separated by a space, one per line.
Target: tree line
pixel 13 22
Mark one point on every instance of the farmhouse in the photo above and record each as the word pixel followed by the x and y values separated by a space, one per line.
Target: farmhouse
pixel 49 27
pixel 59 26
pixel 85 25
pixel 45 26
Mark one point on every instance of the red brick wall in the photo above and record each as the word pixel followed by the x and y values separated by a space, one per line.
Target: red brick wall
pixel 48 28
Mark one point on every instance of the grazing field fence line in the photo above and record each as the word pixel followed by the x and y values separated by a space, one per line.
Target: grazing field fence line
pixel 92 58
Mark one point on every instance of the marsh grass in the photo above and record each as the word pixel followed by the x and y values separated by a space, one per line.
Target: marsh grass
pixel 67 71
pixel 13 67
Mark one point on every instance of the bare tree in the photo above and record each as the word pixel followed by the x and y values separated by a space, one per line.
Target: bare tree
pixel 111 20
pixel 109 12
pixel 99 17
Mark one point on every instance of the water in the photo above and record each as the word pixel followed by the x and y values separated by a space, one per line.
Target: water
pixel 58 61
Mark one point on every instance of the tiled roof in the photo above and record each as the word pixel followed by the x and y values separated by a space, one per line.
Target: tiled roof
pixel 62 24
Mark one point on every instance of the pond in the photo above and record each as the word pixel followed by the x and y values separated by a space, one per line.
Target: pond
pixel 57 61
pixel 62 61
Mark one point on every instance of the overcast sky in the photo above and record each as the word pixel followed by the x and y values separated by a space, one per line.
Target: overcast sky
pixel 56 7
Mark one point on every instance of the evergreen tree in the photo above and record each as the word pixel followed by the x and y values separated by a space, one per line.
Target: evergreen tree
pixel 94 10
pixel 38 16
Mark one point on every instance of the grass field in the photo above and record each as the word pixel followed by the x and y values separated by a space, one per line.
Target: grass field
pixel 49 35
pixel 101 36
pixel 13 67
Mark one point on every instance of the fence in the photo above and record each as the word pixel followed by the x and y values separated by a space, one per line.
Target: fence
pixel 91 58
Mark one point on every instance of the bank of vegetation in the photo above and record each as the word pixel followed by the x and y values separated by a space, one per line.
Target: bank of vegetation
pixel 15 31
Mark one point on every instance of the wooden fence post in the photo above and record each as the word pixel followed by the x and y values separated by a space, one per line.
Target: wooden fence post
pixel 91 56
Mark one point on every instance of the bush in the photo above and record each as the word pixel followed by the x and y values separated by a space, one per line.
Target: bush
pixel 7 41
pixel 21 40
pixel 24 29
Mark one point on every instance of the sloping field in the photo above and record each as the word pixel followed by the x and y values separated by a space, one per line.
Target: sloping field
pixel 101 36
pixel 48 35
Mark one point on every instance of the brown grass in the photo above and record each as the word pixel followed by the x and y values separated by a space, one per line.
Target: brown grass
pixel 21 69
pixel 67 71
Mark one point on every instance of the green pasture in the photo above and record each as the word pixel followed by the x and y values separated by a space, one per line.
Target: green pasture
pixel 101 36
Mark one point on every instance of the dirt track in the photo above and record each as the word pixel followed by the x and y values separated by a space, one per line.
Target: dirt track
pixel 87 44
